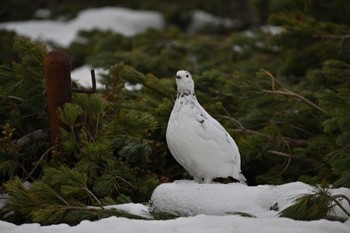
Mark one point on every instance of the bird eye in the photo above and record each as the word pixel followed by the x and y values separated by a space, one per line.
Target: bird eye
pixel 186 75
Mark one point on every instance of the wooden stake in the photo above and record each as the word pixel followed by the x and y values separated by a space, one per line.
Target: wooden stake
pixel 58 88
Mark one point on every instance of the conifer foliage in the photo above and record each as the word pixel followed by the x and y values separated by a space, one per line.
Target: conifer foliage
pixel 89 169
pixel 23 109
pixel 317 205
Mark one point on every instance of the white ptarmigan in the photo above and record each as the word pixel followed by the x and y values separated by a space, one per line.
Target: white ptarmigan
pixel 197 141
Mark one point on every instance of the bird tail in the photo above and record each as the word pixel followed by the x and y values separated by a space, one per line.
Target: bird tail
pixel 241 178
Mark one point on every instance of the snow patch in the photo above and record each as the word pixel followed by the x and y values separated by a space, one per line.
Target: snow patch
pixel 82 75
pixel 120 20
pixel 201 19
pixel 271 29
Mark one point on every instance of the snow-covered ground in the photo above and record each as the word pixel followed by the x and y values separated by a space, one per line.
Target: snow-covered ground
pixel 196 224
pixel 209 208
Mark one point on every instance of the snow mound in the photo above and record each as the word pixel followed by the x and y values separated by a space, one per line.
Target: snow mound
pixel 125 21
pixel 187 198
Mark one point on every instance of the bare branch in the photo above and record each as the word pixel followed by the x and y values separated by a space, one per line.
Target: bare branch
pixel 125 181
pixel 287 92
pixel 288 156
pixel 289 159
pixel 93 196
pixel 342 196
pixel 272 80
pixel 15 98
pixel 292 94
pixel 234 120
pixel 41 158
pixel 335 197
pixel 64 201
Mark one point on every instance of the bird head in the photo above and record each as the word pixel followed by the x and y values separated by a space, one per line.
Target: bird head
pixel 184 82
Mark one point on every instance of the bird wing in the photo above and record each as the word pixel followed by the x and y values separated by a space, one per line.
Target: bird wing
pixel 213 130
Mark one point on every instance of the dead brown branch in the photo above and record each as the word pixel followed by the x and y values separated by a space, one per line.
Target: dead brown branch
pixel 287 92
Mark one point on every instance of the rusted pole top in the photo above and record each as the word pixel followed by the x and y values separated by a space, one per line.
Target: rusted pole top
pixel 58 88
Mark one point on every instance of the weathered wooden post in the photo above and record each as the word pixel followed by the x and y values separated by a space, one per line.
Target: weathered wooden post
pixel 58 88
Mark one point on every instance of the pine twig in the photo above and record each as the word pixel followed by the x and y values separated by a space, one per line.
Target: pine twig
pixel 125 181
pixel 40 159
pixel 93 196
pixel 334 198
pixel 289 158
pixel 273 87
pixel 62 199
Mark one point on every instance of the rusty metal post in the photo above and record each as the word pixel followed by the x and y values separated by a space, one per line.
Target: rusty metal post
pixel 58 88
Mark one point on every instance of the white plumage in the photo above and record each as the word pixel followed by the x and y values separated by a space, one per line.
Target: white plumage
pixel 197 141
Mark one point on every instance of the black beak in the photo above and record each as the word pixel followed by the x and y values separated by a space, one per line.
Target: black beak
pixel 178 77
